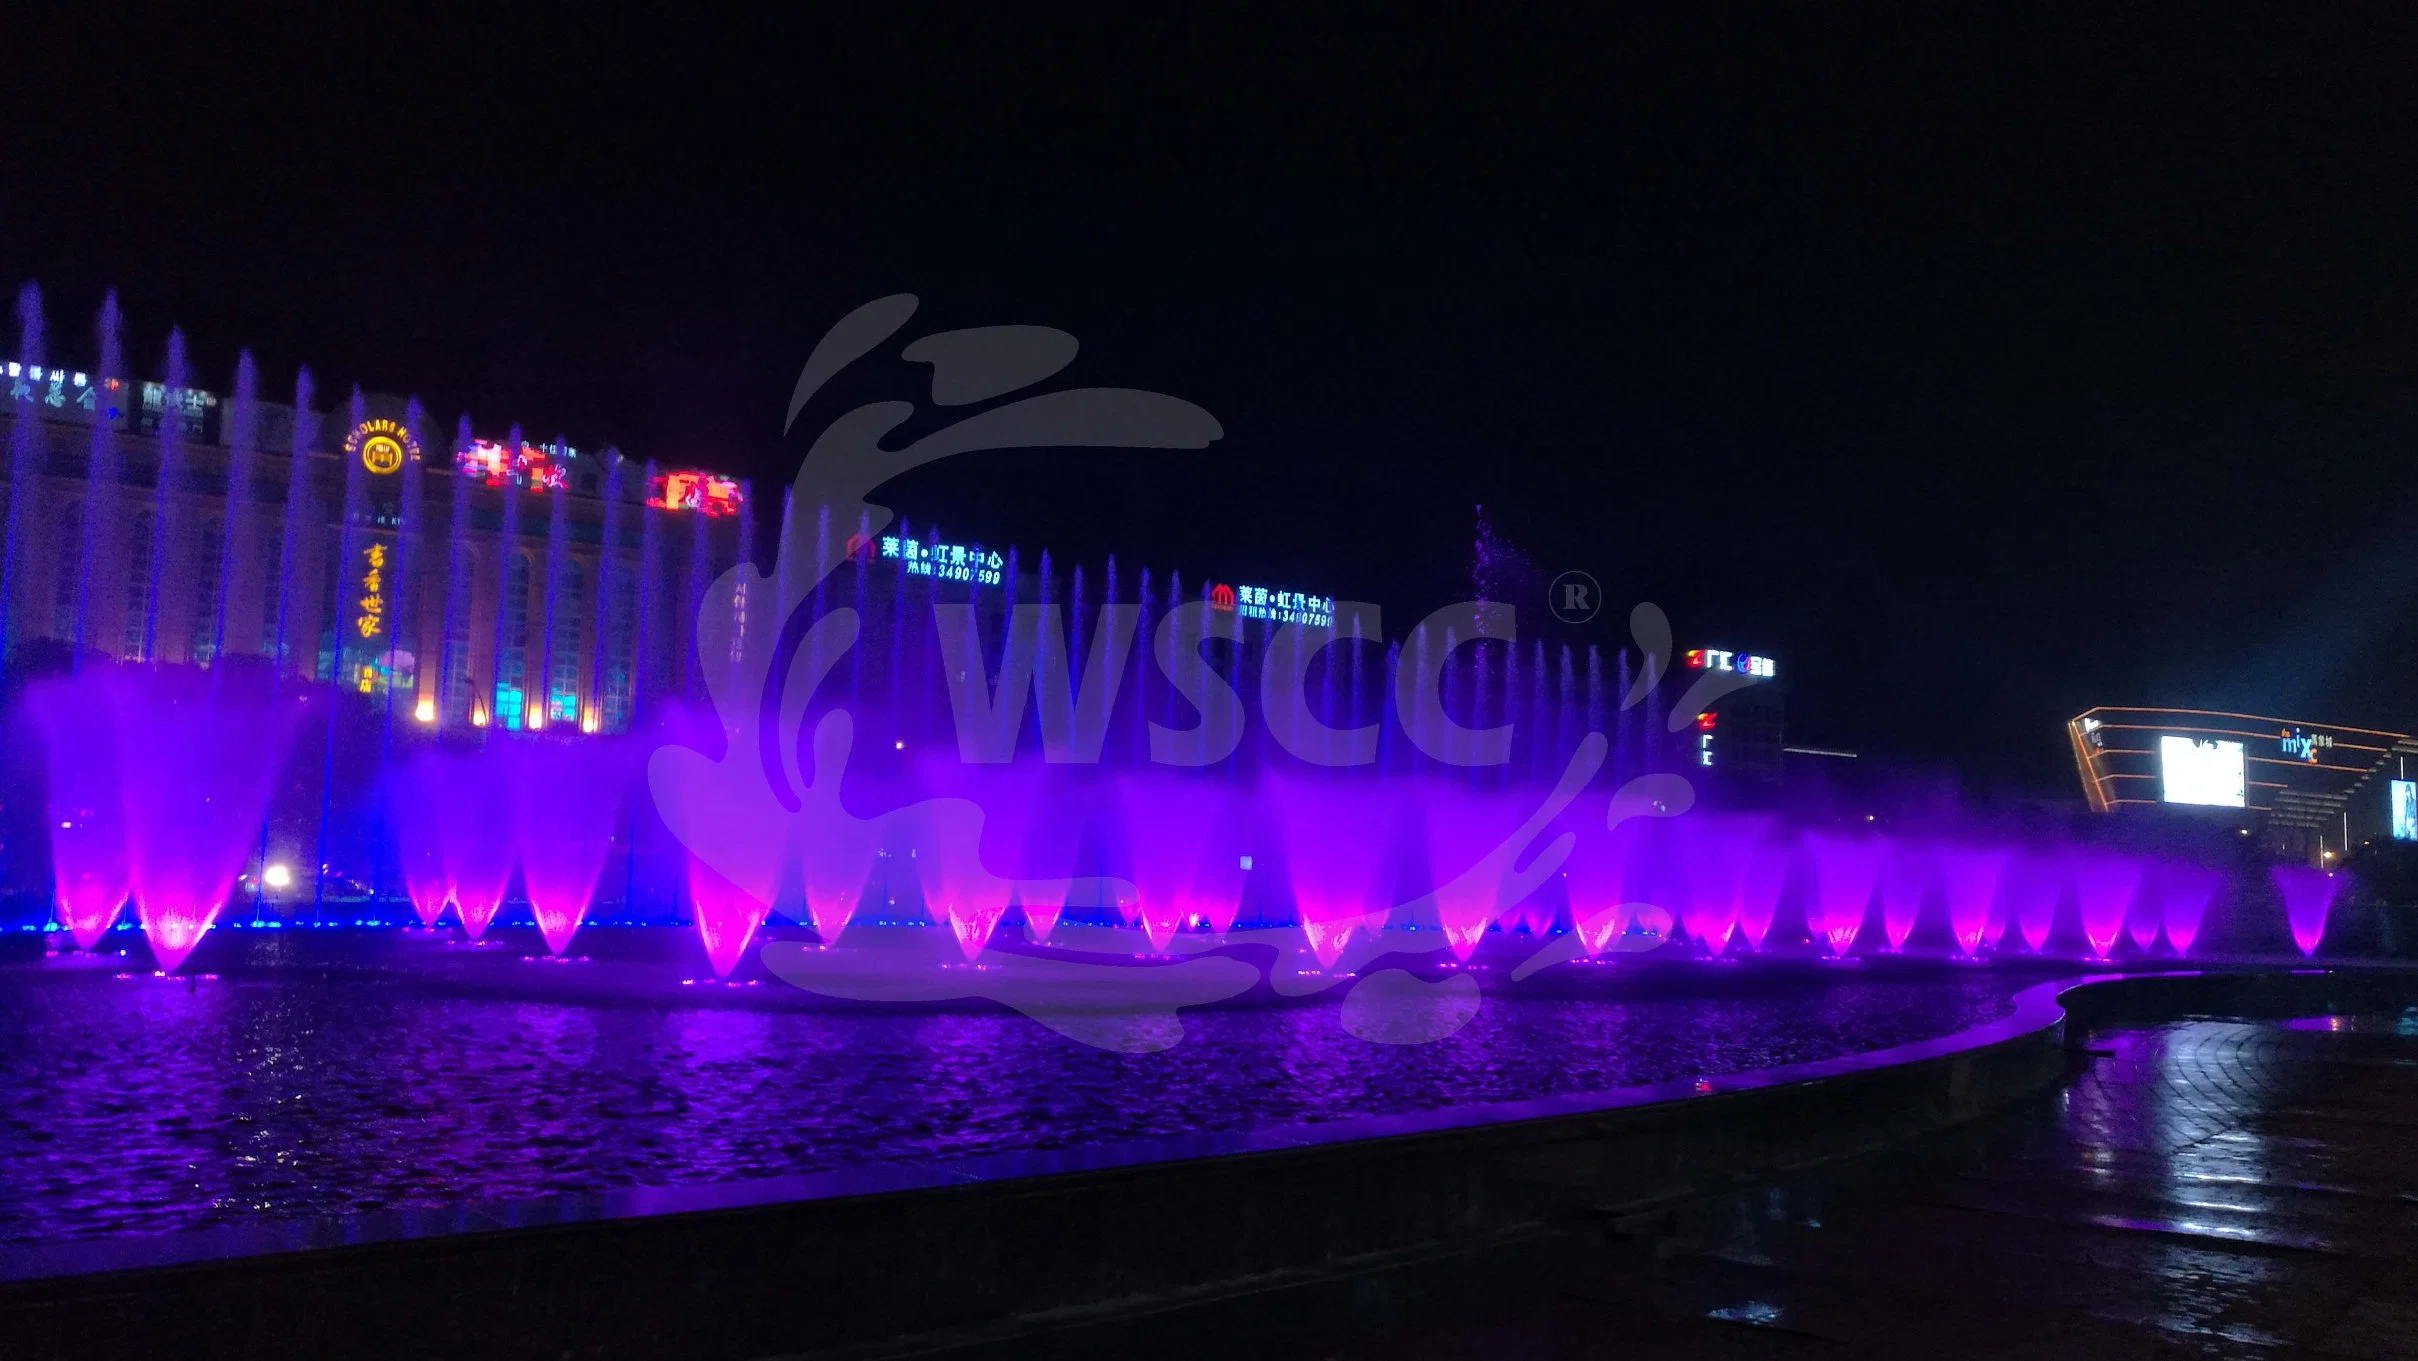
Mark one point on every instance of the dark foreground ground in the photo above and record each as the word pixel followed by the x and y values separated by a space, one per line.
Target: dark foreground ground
pixel 2207 1188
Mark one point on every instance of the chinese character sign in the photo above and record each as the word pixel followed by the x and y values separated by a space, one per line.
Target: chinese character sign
pixel 371 621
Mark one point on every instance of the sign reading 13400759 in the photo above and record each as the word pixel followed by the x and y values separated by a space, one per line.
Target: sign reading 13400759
pixel 381 445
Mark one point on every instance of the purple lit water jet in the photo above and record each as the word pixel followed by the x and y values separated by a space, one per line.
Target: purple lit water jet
pixel 1971 876
pixel 2308 895
pixel 1844 871
pixel 2104 887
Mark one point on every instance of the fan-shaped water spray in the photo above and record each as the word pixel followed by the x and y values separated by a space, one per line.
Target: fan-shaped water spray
pixel 1179 836
pixel 1335 832
pixel 568 794
pixel 1971 876
pixel 2308 896
pixel 2104 887
pixel 1844 869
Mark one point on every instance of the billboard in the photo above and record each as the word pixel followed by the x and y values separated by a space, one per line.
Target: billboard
pixel 2202 772
pixel 2405 810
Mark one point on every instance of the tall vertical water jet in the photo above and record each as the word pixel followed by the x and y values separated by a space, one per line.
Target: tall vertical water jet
pixel 167 489
pixel 558 610
pixel 508 693
pixel 298 512
pixel 241 434
pixel 24 456
pixel 650 601
pixel 453 666
pixel 101 478
pixel 2308 896
pixel 692 677
pixel 610 574
pixel 403 615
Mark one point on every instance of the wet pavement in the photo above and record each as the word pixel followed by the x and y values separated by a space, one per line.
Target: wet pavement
pixel 2207 1188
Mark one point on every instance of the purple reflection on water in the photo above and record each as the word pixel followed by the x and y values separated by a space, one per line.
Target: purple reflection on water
pixel 333 1072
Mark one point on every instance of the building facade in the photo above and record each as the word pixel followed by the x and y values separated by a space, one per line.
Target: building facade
pixel 452 579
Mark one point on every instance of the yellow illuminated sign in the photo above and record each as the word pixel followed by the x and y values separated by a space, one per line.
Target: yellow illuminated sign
pixel 381 445
pixel 372 619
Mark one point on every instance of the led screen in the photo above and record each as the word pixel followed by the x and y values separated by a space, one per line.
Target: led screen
pixel 2405 810
pixel 2207 772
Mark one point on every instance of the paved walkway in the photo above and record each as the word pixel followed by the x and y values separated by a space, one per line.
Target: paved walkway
pixel 2203 1189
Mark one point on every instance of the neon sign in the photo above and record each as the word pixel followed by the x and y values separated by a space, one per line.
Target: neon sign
pixel 192 407
pixel 60 390
pixel 1282 607
pixel 1221 598
pixel 2301 746
pixel 371 621
pixel 944 561
pixel 687 489
pixel 534 466
pixel 1739 663
pixel 381 445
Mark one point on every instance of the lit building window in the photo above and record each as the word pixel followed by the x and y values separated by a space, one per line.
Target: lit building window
pixel 205 594
pixel 138 585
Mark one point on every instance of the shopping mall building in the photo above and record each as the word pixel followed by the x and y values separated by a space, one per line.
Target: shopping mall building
pixel 2311 790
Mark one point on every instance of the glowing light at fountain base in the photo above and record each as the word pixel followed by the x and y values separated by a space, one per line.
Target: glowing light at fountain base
pixel 727 916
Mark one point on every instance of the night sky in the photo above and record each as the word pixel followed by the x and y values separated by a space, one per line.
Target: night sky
pixel 1980 368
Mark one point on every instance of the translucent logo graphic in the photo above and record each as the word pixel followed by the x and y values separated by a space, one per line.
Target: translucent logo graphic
pixel 758 804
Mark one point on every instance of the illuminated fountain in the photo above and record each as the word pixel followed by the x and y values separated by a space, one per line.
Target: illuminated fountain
pixel 1335 833
pixel 1185 860
pixel 1972 875
pixel 416 796
pixel 1763 880
pixel 84 811
pixel 567 796
pixel 2308 895
pixel 727 915
pixel 2104 888
pixel 1461 828
pixel 1844 871
pixel 474 825
pixel 2034 883
pixel 2184 893
pixel 1596 880
pixel 159 779
pixel 1905 881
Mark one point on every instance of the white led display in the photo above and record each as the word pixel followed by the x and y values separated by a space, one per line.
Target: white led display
pixel 2208 772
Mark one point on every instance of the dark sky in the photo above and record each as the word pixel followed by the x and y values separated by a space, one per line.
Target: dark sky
pixel 1979 366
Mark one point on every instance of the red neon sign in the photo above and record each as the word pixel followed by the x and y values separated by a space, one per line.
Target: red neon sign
pixel 1221 598
pixel 703 492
